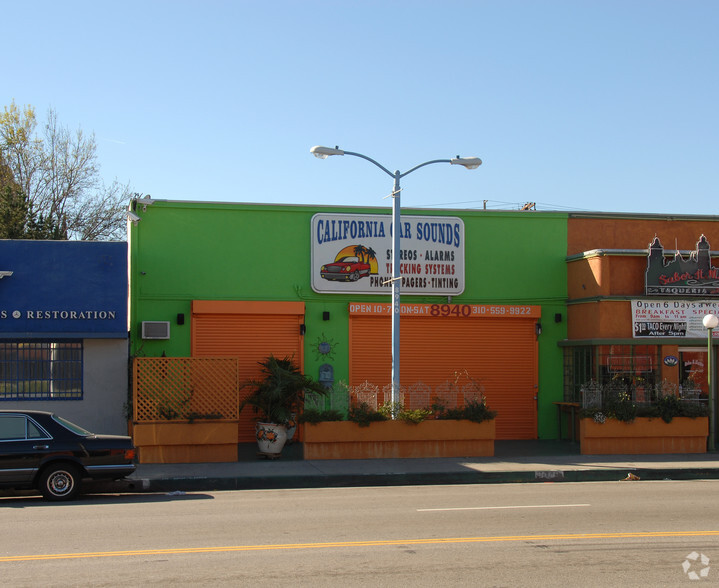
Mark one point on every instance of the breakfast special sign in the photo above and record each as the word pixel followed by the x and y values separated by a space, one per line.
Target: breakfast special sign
pixel 353 254
pixel 672 318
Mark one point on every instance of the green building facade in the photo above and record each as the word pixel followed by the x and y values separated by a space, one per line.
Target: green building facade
pixel 182 252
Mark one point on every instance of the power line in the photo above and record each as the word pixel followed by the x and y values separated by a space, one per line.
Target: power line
pixel 503 205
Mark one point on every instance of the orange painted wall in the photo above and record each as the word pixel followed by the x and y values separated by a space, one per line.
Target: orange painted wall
pixel 585 278
pixel 585 234
pixel 608 319
pixel 618 275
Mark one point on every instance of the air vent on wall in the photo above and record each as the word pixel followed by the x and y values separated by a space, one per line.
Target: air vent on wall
pixel 155 329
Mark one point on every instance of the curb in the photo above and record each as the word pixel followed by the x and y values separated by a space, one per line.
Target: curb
pixel 207 484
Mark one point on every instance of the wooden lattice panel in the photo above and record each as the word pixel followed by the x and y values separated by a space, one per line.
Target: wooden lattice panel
pixel 182 388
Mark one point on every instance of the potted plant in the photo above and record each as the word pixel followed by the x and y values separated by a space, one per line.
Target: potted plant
pixel 275 397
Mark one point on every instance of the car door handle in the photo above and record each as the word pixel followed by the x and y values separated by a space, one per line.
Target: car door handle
pixel 40 446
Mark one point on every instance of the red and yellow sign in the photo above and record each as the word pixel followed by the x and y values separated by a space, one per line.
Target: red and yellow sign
pixel 466 311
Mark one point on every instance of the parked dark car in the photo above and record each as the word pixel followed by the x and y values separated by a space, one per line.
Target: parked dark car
pixel 42 450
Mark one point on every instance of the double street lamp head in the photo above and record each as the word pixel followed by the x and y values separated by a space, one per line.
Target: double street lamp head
pixel 468 162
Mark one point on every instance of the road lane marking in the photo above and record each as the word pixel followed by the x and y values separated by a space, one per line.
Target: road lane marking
pixel 501 507
pixel 376 543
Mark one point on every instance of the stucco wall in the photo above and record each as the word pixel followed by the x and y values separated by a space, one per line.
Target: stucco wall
pixel 185 251
pixel 611 232
pixel 105 377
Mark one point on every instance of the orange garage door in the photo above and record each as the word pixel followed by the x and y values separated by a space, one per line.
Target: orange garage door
pixel 250 331
pixel 496 345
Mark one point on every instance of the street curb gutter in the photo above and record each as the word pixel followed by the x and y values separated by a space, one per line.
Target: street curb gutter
pixel 197 484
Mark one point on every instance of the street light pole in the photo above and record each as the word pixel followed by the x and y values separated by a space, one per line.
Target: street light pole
pixel 396 284
pixel 710 322
pixel 468 163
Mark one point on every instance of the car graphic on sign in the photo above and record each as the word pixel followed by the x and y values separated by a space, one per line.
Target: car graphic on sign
pixel 346 269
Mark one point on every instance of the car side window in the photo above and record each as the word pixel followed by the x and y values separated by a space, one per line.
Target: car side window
pixel 35 432
pixel 12 427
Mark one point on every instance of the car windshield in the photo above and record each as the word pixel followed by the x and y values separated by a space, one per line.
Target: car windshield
pixel 78 430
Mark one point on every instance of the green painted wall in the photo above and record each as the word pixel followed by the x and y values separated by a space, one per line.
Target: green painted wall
pixel 184 251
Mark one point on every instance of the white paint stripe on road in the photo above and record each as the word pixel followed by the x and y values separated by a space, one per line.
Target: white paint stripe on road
pixel 503 507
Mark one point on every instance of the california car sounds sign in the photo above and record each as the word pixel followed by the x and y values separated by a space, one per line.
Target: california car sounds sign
pixel 353 254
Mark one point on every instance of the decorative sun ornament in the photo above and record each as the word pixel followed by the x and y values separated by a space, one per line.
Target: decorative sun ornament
pixel 324 348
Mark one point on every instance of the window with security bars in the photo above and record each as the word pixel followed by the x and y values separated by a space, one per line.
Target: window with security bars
pixel 632 368
pixel 579 363
pixel 47 370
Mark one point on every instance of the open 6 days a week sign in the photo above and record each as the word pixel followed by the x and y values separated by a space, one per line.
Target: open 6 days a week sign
pixel 353 254
pixel 672 318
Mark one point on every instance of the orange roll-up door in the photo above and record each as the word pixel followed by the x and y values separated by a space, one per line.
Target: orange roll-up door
pixel 250 331
pixel 496 345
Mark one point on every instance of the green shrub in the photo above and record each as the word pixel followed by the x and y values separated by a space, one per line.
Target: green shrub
pixel 694 409
pixel 414 416
pixel 363 414
pixel 669 407
pixel 475 410
pixel 313 415
pixel 620 407
pixel 397 411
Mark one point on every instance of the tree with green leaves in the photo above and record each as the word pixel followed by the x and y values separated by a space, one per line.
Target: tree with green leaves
pixel 53 178
pixel 19 221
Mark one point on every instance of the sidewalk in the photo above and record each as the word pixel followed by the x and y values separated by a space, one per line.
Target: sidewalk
pixel 514 461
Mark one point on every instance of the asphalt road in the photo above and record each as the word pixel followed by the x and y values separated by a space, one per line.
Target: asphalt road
pixel 631 533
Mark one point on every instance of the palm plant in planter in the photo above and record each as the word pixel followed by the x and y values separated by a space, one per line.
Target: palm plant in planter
pixel 275 396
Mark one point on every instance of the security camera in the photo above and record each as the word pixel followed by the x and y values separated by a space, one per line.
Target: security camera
pixel 145 201
pixel 131 216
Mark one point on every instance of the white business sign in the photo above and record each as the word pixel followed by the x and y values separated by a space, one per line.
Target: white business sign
pixel 352 253
pixel 672 318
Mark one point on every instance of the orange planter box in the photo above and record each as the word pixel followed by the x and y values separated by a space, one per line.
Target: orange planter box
pixel 397 439
pixel 184 442
pixel 644 436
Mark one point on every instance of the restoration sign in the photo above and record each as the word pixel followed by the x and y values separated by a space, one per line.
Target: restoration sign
pixel 353 254
pixel 672 318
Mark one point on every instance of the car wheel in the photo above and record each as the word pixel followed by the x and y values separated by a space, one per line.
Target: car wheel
pixel 60 482
pixel 355 276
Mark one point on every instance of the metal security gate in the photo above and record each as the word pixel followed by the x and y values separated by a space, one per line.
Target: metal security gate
pixel 249 331
pixel 495 345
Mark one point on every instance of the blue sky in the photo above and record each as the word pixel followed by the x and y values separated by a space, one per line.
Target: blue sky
pixel 573 104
